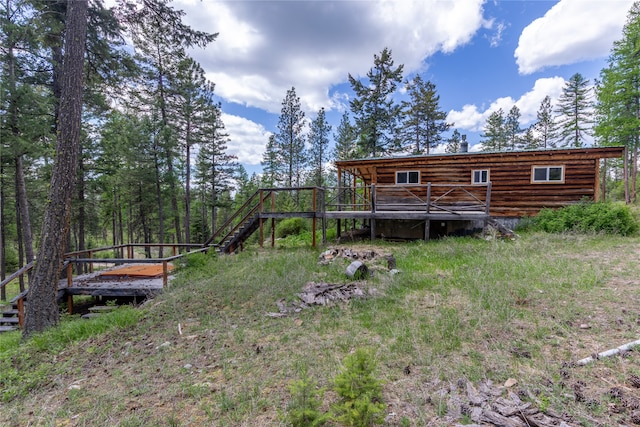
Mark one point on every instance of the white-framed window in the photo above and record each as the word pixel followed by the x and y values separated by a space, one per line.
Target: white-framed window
pixel 550 174
pixel 408 177
pixel 480 176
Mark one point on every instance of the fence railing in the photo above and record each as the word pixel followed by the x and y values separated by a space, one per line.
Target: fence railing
pixel 430 198
pixel 79 259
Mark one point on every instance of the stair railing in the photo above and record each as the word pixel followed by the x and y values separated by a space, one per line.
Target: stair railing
pixel 238 218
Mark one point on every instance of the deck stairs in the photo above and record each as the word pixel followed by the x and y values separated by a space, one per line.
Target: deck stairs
pixel 240 226
pixel 9 318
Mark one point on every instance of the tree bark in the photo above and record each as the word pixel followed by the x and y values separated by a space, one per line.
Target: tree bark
pixel 42 308
pixel 24 210
pixel 187 195
pixel 81 244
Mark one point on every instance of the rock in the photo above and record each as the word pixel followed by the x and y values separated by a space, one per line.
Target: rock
pixel 510 382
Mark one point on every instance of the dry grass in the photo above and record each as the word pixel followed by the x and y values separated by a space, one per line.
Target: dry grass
pixel 460 308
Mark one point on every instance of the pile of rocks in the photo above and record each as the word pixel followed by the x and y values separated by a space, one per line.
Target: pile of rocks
pixel 331 254
pixel 500 406
pixel 320 294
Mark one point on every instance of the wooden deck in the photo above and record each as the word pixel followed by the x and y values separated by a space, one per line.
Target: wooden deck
pixel 134 280
pixel 410 215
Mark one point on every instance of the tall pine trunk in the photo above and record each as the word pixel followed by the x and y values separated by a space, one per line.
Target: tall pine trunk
pixel 187 193
pixel 42 308
pixel 24 210
pixel 159 200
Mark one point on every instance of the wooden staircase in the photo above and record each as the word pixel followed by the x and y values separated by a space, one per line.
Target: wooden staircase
pixel 9 320
pixel 241 225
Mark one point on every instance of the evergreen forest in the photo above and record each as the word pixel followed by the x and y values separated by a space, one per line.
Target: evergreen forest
pixel 153 163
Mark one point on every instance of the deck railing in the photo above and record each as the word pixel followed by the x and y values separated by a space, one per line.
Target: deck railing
pixel 87 257
pixel 425 197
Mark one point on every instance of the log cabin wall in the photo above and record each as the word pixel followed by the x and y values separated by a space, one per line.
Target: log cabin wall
pixel 513 193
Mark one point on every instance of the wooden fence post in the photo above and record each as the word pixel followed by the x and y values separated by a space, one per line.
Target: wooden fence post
pixel 21 312
pixel 313 237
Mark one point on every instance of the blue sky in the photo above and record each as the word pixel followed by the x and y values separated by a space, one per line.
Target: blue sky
pixel 481 55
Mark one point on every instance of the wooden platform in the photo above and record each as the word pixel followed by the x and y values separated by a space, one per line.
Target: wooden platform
pixel 119 281
pixel 410 215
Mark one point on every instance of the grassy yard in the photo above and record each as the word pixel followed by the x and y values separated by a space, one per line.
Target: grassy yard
pixel 206 353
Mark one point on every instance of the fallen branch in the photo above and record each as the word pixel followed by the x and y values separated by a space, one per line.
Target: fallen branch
pixel 609 353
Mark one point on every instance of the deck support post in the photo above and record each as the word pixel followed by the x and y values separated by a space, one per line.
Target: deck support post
pixel 261 232
pixel 427 225
pixel 21 312
pixel 323 208
pixel 69 275
pixel 165 273
pixel 273 220
pixel 261 223
pixel 314 220
pixel 70 303
pixel 372 223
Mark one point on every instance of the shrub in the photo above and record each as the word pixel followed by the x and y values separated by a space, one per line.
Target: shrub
pixel 360 393
pixel 196 260
pixel 306 399
pixel 610 218
pixel 291 226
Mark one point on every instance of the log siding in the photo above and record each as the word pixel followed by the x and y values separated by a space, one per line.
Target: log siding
pixel 513 192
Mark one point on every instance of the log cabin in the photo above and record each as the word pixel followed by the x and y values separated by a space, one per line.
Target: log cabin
pixel 411 197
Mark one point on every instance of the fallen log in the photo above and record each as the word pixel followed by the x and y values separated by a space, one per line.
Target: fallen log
pixel 609 353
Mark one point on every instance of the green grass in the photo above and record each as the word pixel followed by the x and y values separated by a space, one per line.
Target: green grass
pixel 459 308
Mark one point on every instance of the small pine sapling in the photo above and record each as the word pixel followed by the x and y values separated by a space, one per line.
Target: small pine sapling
pixel 304 408
pixel 360 393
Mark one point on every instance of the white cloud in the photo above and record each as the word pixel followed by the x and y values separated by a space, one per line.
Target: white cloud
pixel 469 118
pixel 247 139
pixel 472 118
pixel 529 103
pixel 570 32
pixel 265 48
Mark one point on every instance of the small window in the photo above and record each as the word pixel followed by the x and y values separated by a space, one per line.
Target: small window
pixel 480 177
pixel 408 177
pixel 547 174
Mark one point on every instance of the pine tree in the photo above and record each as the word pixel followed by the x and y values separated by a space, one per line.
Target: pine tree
pixel 375 112
pixel 422 120
pixel 289 141
pixel 42 310
pixel 215 167
pixel 271 167
pixel 161 39
pixel 512 129
pixel 453 142
pixel 319 144
pixel 618 106
pixel 575 112
pixel 544 127
pixel 192 96
pixel 495 137
pixel 345 140
pixel 529 140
